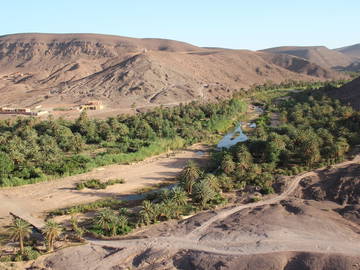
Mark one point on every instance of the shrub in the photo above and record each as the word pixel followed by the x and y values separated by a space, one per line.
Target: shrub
pixel 30 254
pixel 83 208
pixel 97 184
pixel 226 183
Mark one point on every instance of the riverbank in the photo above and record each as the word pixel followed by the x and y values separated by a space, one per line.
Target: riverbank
pixel 33 200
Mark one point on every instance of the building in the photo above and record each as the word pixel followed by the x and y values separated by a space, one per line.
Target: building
pixel 25 111
pixel 92 105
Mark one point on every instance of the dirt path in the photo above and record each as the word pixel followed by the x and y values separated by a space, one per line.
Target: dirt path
pixel 238 248
pixel 31 201
pixel 273 244
pixel 289 190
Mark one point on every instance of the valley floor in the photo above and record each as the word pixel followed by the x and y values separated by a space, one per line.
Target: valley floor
pixel 285 226
pixel 31 201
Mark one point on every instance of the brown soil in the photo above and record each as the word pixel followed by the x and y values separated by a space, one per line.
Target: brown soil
pixel 286 231
pixel 64 70
pixel 348 94
pixel 353 50
pixel 31 201
pixel 320 55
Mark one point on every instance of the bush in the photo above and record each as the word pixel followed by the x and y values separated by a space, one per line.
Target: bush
pixel 87 207
pixel 6 258
pixel 226 183
pixel 97 184
pixel 30 254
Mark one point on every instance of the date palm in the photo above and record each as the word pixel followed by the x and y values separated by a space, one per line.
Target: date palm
pixel 227 165
pixel 104 219
pixel 52 231
pixel 148 212
pixel 213 181
pixel 178 195
pixel 117 222
pixel 189 175
pixel 203 192
pixel 122 222
pixel 20 230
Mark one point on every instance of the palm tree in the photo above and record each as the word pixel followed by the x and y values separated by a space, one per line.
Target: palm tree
pixel 103 218
pixel 165 194
pixel 122 222
pixel 203 192
pixel 20 230
pixel 188 175
pixel 52 231
pixel 213 181
pixel 178 195
pixel 167 209
pixel 148 212
pixel 227 164
pixel 113 224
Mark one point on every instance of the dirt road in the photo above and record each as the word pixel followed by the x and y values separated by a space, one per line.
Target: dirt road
pixel 346 244
pixel 32 201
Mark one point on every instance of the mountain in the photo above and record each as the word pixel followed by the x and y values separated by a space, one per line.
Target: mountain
pixel 352 51
pixel 349 93
pixel 62 70
pixel 299 65
pixel 319 55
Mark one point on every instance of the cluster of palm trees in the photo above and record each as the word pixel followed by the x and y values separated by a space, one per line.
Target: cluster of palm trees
pixel 21 230
pixel 195 187
pixel 170 206
pixel 111 222
pixel 202 187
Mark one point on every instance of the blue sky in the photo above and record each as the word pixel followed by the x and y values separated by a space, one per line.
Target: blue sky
pixel 250 24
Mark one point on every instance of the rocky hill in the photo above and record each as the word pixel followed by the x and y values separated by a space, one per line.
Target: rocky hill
pixel 316 227
pixel 348 94
pixel 63 69
pixel 353 50
pixel 321 55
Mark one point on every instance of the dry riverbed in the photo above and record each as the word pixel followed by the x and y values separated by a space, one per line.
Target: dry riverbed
pixel 32 201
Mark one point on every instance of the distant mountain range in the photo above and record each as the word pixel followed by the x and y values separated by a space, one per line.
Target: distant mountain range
pixel 353 51
pixel 67 69
pixel 346 58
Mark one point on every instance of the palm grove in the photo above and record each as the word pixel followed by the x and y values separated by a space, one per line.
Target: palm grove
pixel 312 131
pixel 31 150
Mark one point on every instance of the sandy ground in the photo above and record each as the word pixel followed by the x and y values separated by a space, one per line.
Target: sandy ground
pixel 344 241
pixel 31 201
pixel 271 228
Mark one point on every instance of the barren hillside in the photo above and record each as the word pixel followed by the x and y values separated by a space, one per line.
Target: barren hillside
pixel 68 69
pixel 349 93
pixel 320 55
pixel 353 50
pixel 313 224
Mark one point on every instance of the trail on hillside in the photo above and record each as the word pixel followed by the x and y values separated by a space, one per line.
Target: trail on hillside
pixel 192 241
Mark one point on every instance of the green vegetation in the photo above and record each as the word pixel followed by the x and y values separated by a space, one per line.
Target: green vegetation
pixel 110 223
pixel 87 207
pixel 62 109
pixel 314 131
pixel 33 150
pixel 110 219
pixel 269 91
pixel 19 231
pixel 52 231
pixel 97 184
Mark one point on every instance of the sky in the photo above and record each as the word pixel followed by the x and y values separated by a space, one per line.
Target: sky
pixel 238 24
